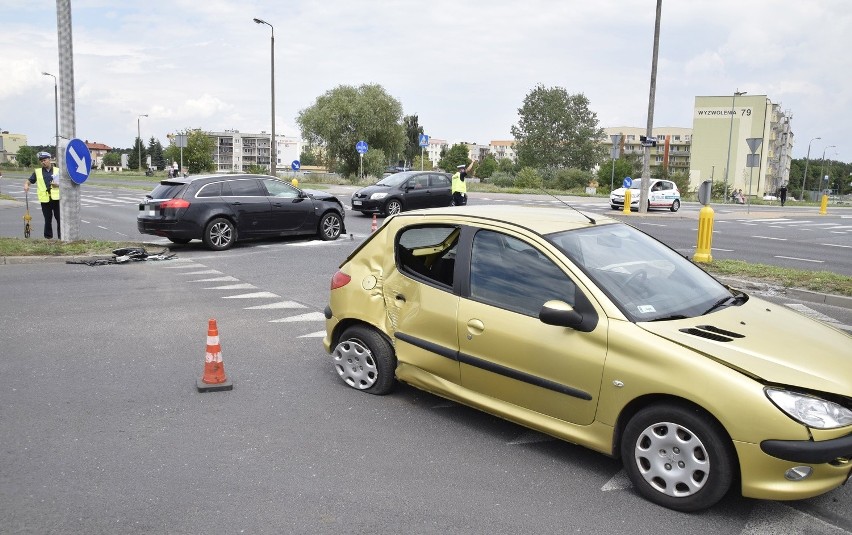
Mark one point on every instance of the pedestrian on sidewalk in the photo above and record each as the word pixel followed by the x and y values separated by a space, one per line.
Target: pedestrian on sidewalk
pixel 46 180
pixel 782 193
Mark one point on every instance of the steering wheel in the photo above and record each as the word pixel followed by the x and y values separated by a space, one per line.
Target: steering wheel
pixel 640 277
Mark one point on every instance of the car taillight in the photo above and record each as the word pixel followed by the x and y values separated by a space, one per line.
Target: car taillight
pixel 175 203
pixel 339 280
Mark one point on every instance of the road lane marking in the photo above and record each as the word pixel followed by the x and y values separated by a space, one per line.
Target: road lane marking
pixel 769 238
pixel 243 286
pixel 310 316
pixel 282 304
pixel 204 272
pixel 255 295
pixel 801 259
pixel 226 278
pixel 836 245
pixel 619 481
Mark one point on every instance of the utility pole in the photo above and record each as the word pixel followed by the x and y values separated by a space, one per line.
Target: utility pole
pixel 69 191
pixel 646 163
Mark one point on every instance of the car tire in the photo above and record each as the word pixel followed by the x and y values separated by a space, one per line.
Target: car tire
pixel 330 226
pixel 393 207
pixel 220 234
pixel 678 457
pixel 365 360
pixel 614 207
pixel 180 241
pixel 675 205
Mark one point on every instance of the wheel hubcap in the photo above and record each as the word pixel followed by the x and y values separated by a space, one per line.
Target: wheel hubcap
pixel 672 459
pixel 355 364
pixel 220 234
pixel 394 208
pixel 331 227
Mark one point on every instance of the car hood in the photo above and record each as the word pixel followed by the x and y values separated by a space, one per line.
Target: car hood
pixel 320 195
pixel 768 342
pixel 620 192
pixel 369 190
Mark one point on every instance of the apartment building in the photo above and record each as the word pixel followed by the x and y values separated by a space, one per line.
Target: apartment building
pixel 670 155
pixel 235 152
pixel 501 149
pixel 9 145
pixel 722 124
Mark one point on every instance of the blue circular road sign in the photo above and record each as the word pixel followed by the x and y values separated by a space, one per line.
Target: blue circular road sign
pixel 361 147
pixel 78 161
pixel 295 165
pixel 628 182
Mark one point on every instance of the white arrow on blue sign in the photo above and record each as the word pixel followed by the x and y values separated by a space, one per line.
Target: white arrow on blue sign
pixel 628 182
pixel 78 161
pixel 361 147
pixel 295 165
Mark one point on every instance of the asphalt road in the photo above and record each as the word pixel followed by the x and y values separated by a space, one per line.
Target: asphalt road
pixel 104 431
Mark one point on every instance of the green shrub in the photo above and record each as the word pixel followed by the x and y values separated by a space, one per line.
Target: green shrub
pixel 528 178
pixel 502 179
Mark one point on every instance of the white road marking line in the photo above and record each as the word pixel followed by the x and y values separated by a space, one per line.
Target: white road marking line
pixel 310 316
pixel 619 481
pixel 104 228
pixel 802 259
pixel 255 295
pixel 769 238
pixel 282 304
pixel 836 245
pixel 227 278
pixel 318 334
pixel 205 272
pixel 243 286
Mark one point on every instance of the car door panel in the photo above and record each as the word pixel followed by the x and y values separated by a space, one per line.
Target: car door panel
pixel 249 205
pixel 289 209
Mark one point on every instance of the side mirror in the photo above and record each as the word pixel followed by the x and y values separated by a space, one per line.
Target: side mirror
pixel 560 313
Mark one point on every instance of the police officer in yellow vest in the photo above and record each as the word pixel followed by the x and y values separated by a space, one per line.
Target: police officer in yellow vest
pixel 459 186
pixel 46 179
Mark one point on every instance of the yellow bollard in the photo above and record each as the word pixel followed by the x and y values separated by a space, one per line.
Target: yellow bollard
pixel 295 182
pixel 823 206
pixel 626 209
pixel 705 236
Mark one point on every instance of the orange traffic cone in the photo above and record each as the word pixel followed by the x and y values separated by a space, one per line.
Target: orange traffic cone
pixel 374 226
pixel 214 378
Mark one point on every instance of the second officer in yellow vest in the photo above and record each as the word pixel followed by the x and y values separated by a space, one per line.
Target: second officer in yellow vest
pixel 459 186
pixel 46 179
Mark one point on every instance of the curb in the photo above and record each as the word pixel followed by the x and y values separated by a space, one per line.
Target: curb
pixel 804 295
pixel 12 260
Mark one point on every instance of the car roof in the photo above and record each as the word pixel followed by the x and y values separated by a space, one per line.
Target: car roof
pixel 543 220
pixel 198 178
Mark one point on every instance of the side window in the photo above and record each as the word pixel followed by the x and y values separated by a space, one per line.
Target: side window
pixel 210 190
pixel 277 188
pixel 246 188
pixel 428 253
pixel 512 274
pixel 439 181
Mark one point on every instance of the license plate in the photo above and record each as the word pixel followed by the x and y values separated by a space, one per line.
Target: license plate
pixel 150 210
pixel 356 203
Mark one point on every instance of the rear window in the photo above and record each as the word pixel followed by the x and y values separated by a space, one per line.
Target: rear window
pixel 167 191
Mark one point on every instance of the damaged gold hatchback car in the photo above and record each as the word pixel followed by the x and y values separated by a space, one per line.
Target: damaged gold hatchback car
pixel 595 333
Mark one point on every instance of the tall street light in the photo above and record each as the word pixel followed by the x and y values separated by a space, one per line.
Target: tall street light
pixel 807 159
pixel 139 137
pixel 730 134
pixel 822 167
pixel 56 109
pixel 273 164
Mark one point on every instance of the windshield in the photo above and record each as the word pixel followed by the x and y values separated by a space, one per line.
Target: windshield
pixel 646 280
pixel 394 180
pixel 637 184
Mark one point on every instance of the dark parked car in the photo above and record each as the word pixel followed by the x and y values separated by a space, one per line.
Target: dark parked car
pixel 220 209
pixel 404 191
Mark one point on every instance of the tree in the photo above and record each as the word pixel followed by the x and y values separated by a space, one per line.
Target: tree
pixel 343 116
pixel 135 158
pixel 155 150
pixel 506 165
pixel 27 156
pixel 112 158
pixel 198 153
pixel 556 129
pixel 456 155
pixel 487 166
pixel 624 167
pixel 309 157
pixel 412 137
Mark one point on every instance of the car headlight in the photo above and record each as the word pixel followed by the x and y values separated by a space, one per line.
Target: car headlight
pixel 378 196
pixel 809 410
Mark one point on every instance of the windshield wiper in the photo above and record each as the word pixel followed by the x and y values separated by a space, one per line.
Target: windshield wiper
pixel 729 300
pixel 669 318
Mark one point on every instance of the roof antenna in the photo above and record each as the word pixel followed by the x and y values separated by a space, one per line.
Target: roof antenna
pixel 592 221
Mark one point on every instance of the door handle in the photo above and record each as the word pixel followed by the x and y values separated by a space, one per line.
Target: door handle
pixel 474 326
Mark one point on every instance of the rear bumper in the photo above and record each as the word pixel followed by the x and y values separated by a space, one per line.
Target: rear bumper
pixel 168 229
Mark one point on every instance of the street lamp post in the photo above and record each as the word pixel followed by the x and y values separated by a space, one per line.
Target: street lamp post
pixel 139 137
pixel 822 167
pixel 273 164
pixel 807 159
pixel 56 110
pixel 730 134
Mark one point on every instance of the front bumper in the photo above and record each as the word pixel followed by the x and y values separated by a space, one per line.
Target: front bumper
pixel 367 205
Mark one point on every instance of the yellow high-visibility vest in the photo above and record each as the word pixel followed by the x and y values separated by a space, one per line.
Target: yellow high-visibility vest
pixel 459 185
pixel 41 186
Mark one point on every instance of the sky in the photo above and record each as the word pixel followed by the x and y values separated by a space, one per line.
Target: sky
pixel 462 67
